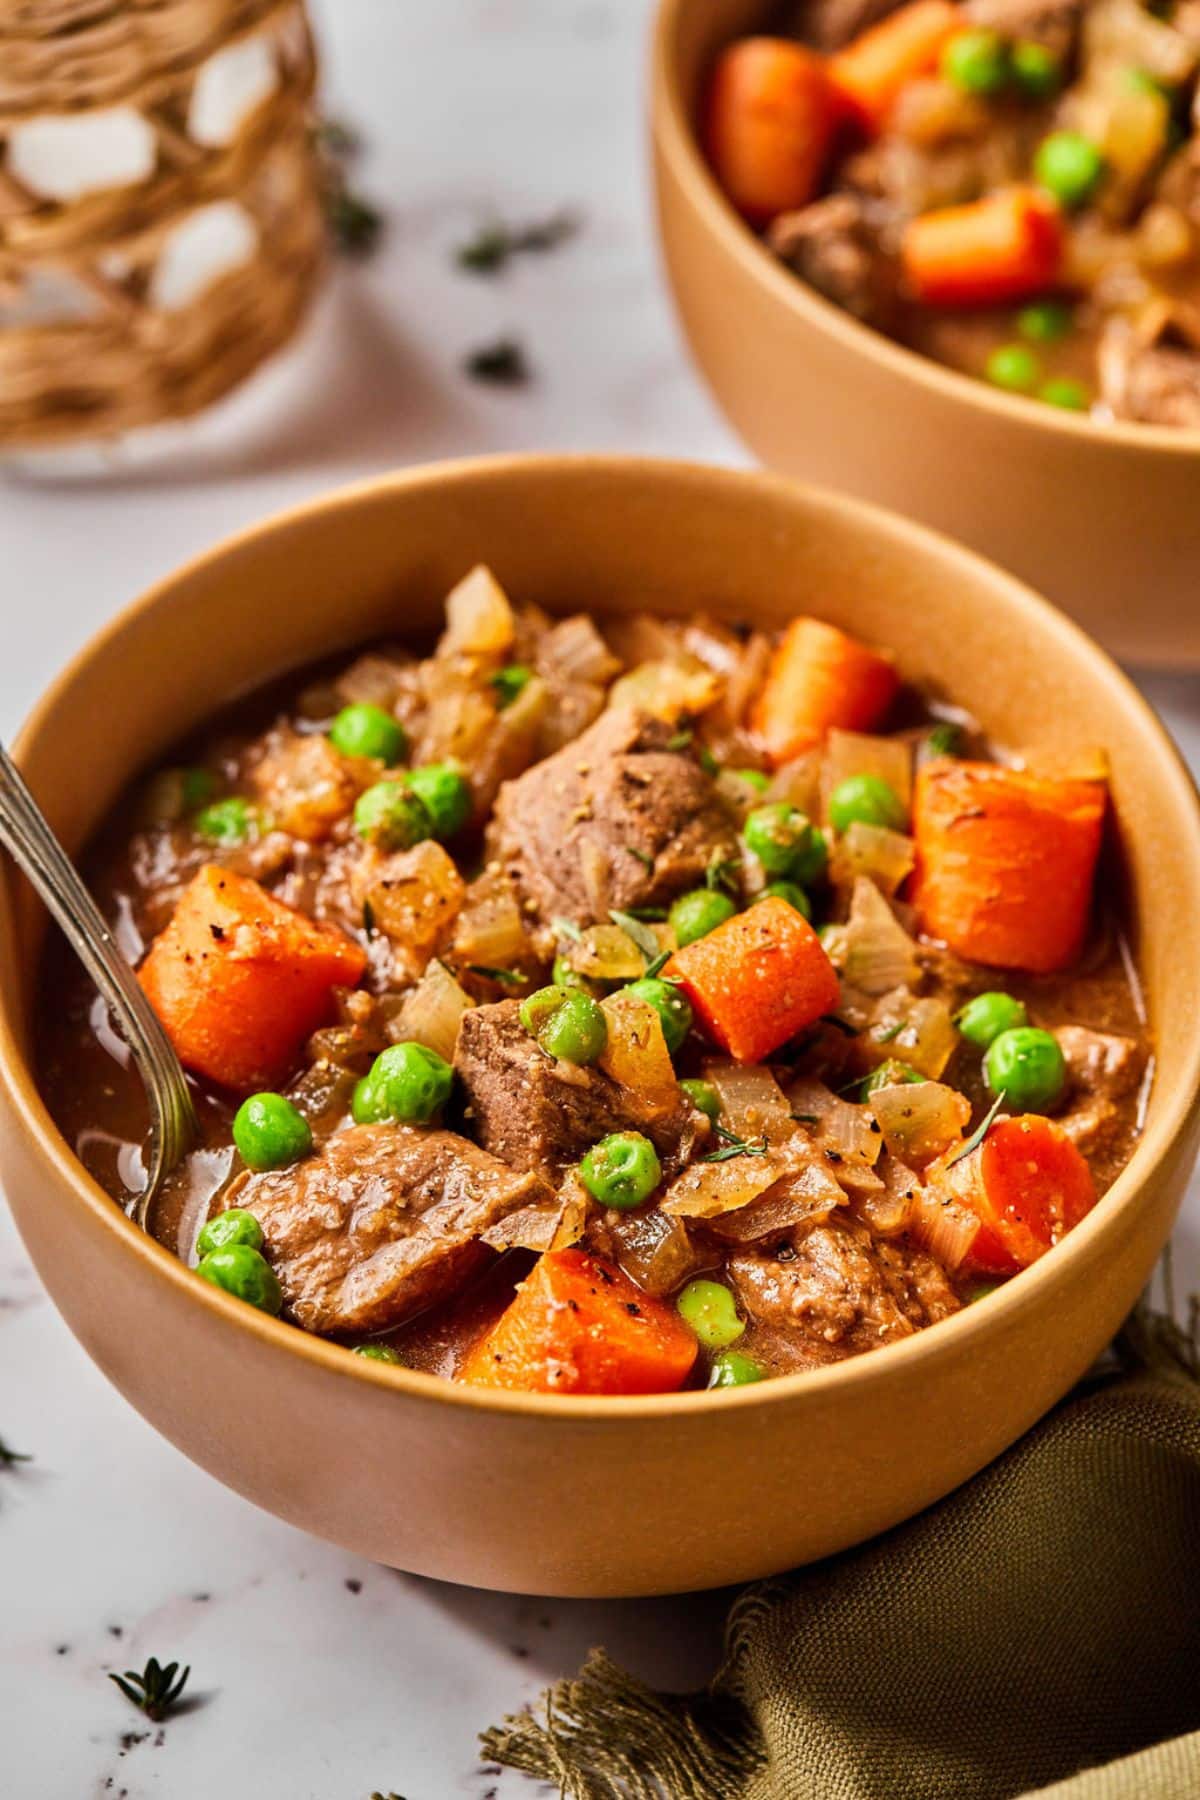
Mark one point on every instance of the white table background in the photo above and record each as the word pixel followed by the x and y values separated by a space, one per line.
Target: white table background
pixel 320 1677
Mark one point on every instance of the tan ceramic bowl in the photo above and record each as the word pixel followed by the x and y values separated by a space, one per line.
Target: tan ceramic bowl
pixel 549 1494
pixel 1105 519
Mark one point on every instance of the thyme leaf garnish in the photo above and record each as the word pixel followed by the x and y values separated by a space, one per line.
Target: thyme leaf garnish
pixel 641 934
pixel 977 1136
pixel 734 1146
pixel 658 962
pixel 647 862
pixel 156 1691
pixel 891 1034
pixel 506 977
pixel 806 1118
pixel 566 928
pixel 721 874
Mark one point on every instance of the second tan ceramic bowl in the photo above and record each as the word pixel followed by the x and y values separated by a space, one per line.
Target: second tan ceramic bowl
pixel 1104 519
pixel 547 1494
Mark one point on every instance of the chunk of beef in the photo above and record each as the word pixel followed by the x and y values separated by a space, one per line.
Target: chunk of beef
pixel 1156 381
pixel 835 246
pixel 614 819
pixel 831 1291
pixel 381 1222
pixel 1104 1070
pixel 536 1112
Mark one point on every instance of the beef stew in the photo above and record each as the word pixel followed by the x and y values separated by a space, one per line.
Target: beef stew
pixel 1011 187
pixel 613 1009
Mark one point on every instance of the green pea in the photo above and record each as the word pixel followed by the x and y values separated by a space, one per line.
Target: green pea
pixel 1036 71
pixel 753 778
pixel 576 1031
pixel 704 1097
pixel 406 1082
pixel 982 1019
pixel 787 890
pixel 231 1227
pixel 812 864
pixel 244 1272
pixel 173 793
pixel 509 682
pixel 892 1073
pixel 390 817
pixel 622 1170
pixel 270 1133
pixel 981 1289
pixel 670 1005
pixel 779 835
pixel 384 1353
pixel 946 739
pixel 538 1008
pixel 1045 321
pixel 866 800
pixel 711 1311
pixel 1070 167
pixel 445 794
pixel 366 730
pixel 977 62
pixel 1072 396
pixel 694 915
pixel 733 1368
pixel 1014 368
pixel 233 820
pixel 1026 1066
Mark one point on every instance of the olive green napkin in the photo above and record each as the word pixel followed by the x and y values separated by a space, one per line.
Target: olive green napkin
pixel 1039 1631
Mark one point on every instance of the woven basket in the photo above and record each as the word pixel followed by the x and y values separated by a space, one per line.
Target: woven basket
pixel 116 345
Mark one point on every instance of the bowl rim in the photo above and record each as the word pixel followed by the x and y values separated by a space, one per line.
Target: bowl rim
pixel 680 145
pixel 1152 1150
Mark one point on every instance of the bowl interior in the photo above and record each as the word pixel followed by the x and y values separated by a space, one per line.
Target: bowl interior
pixel 614 535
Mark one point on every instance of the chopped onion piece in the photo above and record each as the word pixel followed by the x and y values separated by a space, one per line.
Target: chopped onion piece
pixel 943 1226
pixel 919 1032
pixel 479 619
pixel 753 1105
pixel 800 782
pixel 606 953
pixel 888 1208
pixel 667 690
pixel 573 651
pixel 920 1120
pixel 849 1131
pixel 853 753
pixel 636 1053
pixel 706 1189
pixel 811 1194
pixel 491 931
pixel 877 953
pixel 653 1250
pixel 746 681
pixel 430 1013
pixel 546 1225
pixel 884 857
pixel 412 897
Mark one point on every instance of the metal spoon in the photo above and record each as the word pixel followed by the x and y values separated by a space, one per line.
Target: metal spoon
pixel 27 837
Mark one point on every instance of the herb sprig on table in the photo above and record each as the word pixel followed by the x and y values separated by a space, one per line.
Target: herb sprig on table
pixel 156 1691
pixel 496 243
pixel 503 362
pixel 10 1458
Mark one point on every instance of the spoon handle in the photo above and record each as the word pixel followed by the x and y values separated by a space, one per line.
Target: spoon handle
pixel 30 841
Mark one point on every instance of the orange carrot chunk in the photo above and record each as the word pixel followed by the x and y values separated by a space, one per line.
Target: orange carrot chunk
pixel 240 980
pixel 578 1325
pixel 1005 862
pixel 757 980
pixel 870 72
pixel 768 122
pixel 1004 247
pixel 820 678
pixel 1027 1184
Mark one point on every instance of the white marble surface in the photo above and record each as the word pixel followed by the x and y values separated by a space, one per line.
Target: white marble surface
pixel 318 1677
